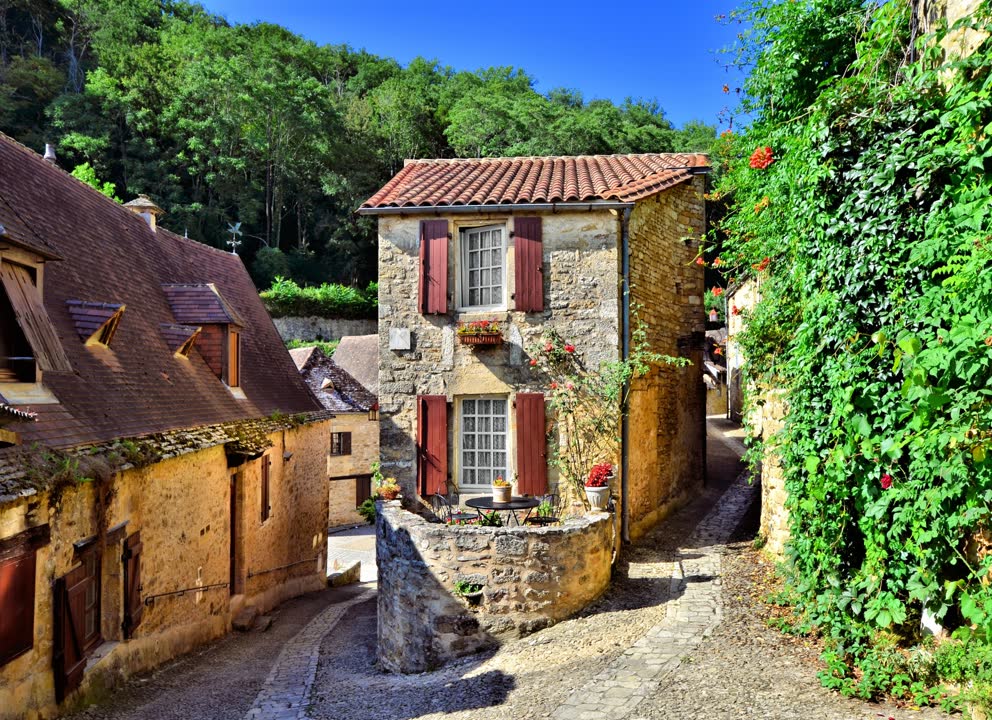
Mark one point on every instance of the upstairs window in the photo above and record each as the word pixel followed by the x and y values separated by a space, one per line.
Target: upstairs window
pixel 483 267
pixel 341 443
pixel 96 323
pixel 28 341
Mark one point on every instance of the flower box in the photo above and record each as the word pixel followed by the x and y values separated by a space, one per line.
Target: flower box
pixel 481 339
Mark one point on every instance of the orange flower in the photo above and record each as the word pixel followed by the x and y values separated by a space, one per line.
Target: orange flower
pixel 761 158
pixel 717 291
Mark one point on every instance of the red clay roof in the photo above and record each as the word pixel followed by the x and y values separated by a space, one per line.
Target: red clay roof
pixel 90 317
pixel 508 181
pixel 195 304
pixel 137 386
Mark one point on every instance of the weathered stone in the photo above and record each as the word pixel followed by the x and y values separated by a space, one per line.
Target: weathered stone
pixel 510 545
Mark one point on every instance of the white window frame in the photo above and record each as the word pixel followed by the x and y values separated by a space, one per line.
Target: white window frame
pixel 463 267
pixel 464 486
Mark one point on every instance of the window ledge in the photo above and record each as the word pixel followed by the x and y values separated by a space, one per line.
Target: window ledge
pixel 237 392
pixel 27 394
pixel 100 653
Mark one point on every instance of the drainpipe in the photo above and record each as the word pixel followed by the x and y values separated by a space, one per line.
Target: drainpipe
pixel 625 353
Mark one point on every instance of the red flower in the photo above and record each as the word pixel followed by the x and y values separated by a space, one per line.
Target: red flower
pixel 549 347
pixel 569 348
pixel 717 263
pixel 734 310
pixel 554 386
pixel 533 362
pixel 886 481
pixel 761 158
pixel 762 265
pixel 484 323
pixel 717 291
pixel 718 351
pixel 700 261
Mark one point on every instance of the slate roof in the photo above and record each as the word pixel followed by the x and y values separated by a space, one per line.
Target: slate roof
pixel 344 394
pixel 503 181
pixel 90 317
pixel 358 355
pixel 137 386
pixel 195 304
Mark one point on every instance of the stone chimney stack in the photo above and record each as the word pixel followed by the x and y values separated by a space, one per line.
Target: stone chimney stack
pixel 143 206
pixel 50 153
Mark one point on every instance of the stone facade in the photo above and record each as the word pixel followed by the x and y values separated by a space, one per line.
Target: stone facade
pixel 766 420
pixel 531 578
pixel 957 43
pixel 317 328
pixel 345 470
pixel 581 273
pixel 182 507
pixel 667 447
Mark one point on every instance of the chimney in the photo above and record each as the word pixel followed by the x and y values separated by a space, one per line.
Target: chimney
pixel 50 153
pixel 143 206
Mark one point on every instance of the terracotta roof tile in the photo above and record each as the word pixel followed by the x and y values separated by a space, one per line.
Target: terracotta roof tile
pixel 89 316
pixel 199 304
pixel 177 335
pixel 334 387
pixel 507 181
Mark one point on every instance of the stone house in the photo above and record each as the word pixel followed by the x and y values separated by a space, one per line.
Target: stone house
pixel 162 464
pixel 354 432
pixel 570 244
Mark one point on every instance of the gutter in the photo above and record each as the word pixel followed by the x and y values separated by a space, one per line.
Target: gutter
pixel 503 208
pixel 625 353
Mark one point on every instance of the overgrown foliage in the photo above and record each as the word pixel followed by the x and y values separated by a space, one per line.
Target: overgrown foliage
pixel 285 297
pixel 327 346
pixel 867 228
pixel 224 123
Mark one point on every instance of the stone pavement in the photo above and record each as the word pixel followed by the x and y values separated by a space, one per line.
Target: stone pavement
pixel 286 692
pixel 345 545
pixel 692 615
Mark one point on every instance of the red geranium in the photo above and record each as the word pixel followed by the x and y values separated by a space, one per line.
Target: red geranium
pixel 886 481
pixel 533 362
pixel 570 348
pixel 761 158
pixel 554 386
pixel 599 476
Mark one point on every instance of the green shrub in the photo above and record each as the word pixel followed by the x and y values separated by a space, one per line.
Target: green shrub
pixel 285 298
pixel 328 346
pixel 367 510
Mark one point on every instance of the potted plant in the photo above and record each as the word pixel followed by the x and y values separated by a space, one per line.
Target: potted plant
pixel 598 485
pixel 501 490
pixel 389 490
pixel 472 592
pixel 480 332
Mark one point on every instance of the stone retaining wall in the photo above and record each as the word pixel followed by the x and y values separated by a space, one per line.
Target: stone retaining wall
pixel 531 577
pixel 317 328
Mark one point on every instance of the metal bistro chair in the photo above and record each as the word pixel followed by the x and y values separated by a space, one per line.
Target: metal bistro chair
pixel 443 511
pixel 556 503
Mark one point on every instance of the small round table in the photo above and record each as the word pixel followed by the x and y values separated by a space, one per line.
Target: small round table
pixel 516 503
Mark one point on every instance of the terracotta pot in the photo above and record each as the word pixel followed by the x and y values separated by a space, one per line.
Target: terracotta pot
pixel 501 494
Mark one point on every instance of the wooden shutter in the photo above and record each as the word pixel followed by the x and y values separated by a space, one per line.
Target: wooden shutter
pixel 133 606
pixel 532 463
pixel 346 443
pixel 233 358
pixel 29 309
pixel 68 656
pixel 16 606
pixel 265 487
pixel 433 299
pixel 432 444
pixel 528 259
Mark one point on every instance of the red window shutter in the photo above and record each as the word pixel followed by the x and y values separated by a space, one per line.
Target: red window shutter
pixel 16 606
pixel 133 606
pixel 532 463
pixel 433 267
pixel 432 444
pixel 68 656
pixel 528 259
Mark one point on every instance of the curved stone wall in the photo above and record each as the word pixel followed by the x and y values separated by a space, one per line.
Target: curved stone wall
pixel 531 577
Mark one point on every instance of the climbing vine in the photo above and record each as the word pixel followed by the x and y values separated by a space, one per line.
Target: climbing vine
pixel 859 201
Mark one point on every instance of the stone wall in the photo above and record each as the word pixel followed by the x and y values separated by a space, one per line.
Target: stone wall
pixel 181 506
pixel 580 299
pixel 958 43
pixel 744 297
pixel 531 578
pixel 667 407
pixel 364 451
pixel 766 420
pixel 317 328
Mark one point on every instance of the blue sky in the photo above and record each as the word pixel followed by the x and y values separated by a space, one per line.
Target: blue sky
pixel 660 49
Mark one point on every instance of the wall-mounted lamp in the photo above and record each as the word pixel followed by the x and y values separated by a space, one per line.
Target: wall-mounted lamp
pixel 374 412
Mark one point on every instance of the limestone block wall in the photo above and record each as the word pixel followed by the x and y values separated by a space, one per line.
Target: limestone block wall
pixel 667 408
pixel 181 506
pixel 342 469
pixel 531 578
pixel 318 328
pixel 767 420
pixel 580 298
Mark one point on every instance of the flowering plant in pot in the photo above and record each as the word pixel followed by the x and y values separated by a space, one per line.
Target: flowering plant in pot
pixel 389 490
pixel 598 485
pixel 501 490
pixel 481 332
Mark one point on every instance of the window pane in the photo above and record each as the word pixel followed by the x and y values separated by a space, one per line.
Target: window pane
pixel 468 407
pixel 473 297
pixel 499 442
pixel 499 460
pixel 469 477
pixel 485 407
pixel 468 458
pixel 484 477
pixel 484 297
pixel 468 442
pixel 469 425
